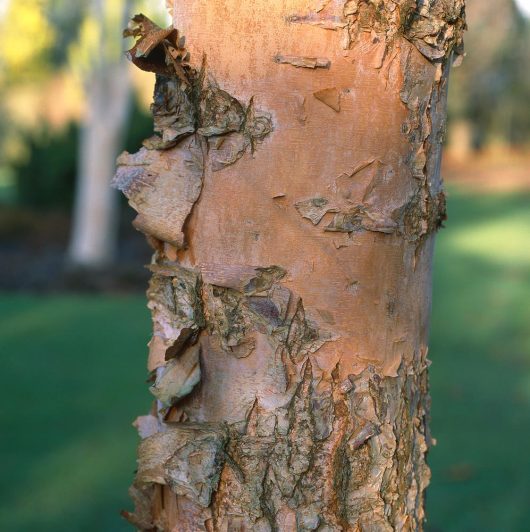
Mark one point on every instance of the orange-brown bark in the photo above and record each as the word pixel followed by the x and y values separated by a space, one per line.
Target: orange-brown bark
pixel 291 195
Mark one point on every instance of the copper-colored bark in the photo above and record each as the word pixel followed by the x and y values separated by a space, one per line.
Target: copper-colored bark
pixel 293 220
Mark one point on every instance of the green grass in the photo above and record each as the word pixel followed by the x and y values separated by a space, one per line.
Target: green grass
pixel 72 381
pixel 73 374
pixel 480 376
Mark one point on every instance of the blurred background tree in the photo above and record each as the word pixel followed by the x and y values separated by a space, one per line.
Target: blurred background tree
pixel 488 104
pixel 70 103
pixel 97 60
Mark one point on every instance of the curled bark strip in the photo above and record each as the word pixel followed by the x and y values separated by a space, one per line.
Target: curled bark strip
pixel 164 179
pixel 165 458
pixel 313 209
pixel 177 377
pixel 176 309
pixel 186 99
pixel 147 425
pixel 326 15
pixel 174 112
pixel 162 186
pixel 143 497
pixel 156 49
pixel 313 19
pixel 233 276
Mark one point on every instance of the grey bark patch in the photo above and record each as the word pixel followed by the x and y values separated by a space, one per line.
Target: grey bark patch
pixel 360 438
pixel 321 21
pixel 146 425
pixel 194 469
pixel 378 209
pixel 424 94
pixel 323 414
pixel 302 62
pixel 227 318
pixel 347 221
pixel 235 276
pixel 162 186
pixel 187 457
pixel 142 496
pixel 303 336
pixel 265 308
pixel 314 209
pixel 264 279
pixel 227 149
pixel 174 113
pixel 434 28
pixel 257 125
pixel 220 113
pixel 176 309
pixel 241 300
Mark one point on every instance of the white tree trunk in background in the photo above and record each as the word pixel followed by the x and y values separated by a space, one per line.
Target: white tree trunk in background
pixel 108 88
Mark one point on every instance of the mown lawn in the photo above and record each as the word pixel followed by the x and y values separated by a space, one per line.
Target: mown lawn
pixel 72 379
pixel 71 382
pixel 480 376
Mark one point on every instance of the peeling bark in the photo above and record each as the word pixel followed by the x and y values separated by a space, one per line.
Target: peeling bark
pixel 292 212
pixel 305 62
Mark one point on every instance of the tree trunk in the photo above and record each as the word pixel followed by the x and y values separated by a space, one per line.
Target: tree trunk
pixel 291 196
pixel 94 233
pixel 108 90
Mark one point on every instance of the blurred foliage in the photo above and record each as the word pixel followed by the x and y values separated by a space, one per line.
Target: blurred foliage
pixel 46 179
pixel 47 176
pixel 491 89
pixel 67 445
pixel 48 51
pixel 480 373
pixel 36 35
pixel 27 38
pixel 100 41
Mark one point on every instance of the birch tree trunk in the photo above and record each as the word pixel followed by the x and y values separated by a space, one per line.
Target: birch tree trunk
pixel 95 227
pixel 108 93
pixel 291 194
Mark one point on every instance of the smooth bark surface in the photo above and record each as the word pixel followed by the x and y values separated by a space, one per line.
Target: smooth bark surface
pixel 291 195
